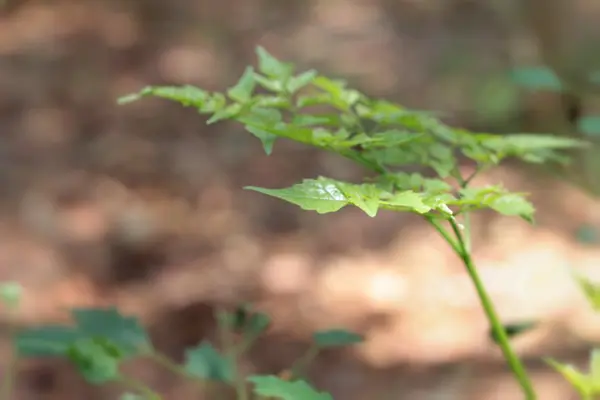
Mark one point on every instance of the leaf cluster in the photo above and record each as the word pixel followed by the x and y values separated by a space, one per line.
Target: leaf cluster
pixel 101 339
pixel 274 102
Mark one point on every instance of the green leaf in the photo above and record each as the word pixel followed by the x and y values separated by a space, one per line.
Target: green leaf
pixel 10 294
pixel 186 95
pixel 340 97
pixel 589 126
pixel 513 204
pixel 496 198
pixel 595 367
pixel 100 325
pixel 272 386
pixel 528 147
pixel 245 320
pixel 327 195
pixel 318 99
pixel 336 338
pixel 298 82
pixel 95 359
pixel 266 101
pixel 228 112
pixel 266 138
pixel 579 381
pixel 257 324
pixel 513 330
pixel 537 78
pixel 365 197
pixel 272 84
pixel 46 341
pixel 529 142
pixel 406 201
pixel 205 362
pixel 587 234
pixel 242 91
pixel 272 67
pixel 125 332
pixel 315 120
pixel 590 290
pixel 321 195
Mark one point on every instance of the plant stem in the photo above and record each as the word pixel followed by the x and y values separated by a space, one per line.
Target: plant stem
pixel 302 363
pixel 467 234
pixel 227 342
pixel 444 233
pixel 511 358
pixel 166 363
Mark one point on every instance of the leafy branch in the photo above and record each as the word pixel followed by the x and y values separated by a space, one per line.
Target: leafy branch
pixel 325 113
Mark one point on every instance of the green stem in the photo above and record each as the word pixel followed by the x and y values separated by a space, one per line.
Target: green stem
pixel 467 234
pixel 302 363
pixel 444 233
pixel 511 358
pixel 166 363
pixel 227 342
pixel 464 182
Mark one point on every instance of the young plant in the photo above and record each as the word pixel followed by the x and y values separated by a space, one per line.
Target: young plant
pixel 274 102
pixel 102 339
pixel 324 113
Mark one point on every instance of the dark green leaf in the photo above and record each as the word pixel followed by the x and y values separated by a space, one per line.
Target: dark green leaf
pixel 125 332
pixel 95 360
pixel 257 324
pixel 336 338
pixel 513 330
pixel 587 234
pixel 205 362
pixel 245 320
pixel 589 126
pixel 47 341
pixel 537 78
pixel 274 387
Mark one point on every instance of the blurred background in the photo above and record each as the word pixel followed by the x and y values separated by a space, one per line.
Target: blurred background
pixel 142 205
